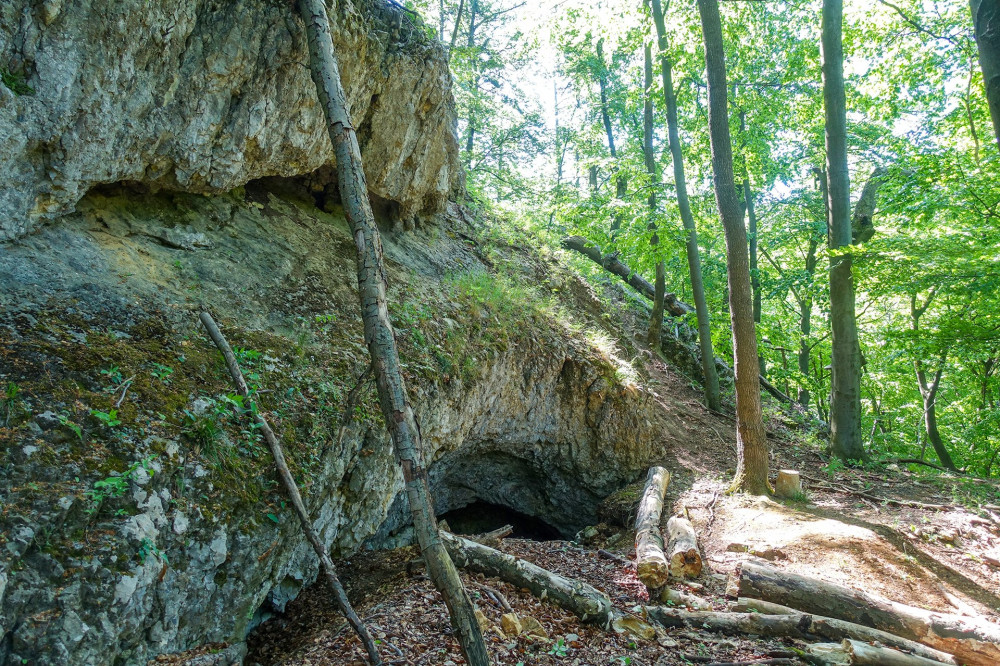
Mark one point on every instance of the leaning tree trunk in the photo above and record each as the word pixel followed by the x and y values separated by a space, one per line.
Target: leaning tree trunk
pixel 379 335
pixel 751 441
pixel 986 22
pixel 708 368
pixel 656 318
pixel 845 386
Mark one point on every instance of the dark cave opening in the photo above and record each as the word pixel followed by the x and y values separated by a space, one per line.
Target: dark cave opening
pixel 480 517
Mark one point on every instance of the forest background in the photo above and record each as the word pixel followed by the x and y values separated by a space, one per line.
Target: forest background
pixel 551 103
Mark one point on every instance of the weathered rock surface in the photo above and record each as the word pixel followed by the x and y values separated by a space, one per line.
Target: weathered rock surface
pixel 203 96
pixel 515 409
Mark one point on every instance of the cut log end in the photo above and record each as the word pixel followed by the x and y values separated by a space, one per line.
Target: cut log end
pixel 788 484
pixel 682 549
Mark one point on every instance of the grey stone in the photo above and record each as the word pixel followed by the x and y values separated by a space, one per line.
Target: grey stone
pixel 214 95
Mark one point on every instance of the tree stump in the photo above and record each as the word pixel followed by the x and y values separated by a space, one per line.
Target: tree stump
pixel 788 484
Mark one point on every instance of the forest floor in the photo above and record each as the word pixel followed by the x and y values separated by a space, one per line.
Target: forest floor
pixel 901 531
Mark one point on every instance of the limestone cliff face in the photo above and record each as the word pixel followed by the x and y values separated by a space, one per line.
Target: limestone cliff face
pixel 522 402
pixel 204 95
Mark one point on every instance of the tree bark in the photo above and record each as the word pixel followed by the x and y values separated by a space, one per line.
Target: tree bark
pixel 752 234
pixel 288 481
pixel 586 602
pixel 379 335
pixel 972 641
pixel 857 653
pixel 802 626
pixel 656 318
pixel 805 324
pixel 682 548
pixel 712 397
pixel 929 391
pixel 651 562
pixel 751 441
pixel 862 227
pixel 471 136
pixel 986 23
pixel 845 388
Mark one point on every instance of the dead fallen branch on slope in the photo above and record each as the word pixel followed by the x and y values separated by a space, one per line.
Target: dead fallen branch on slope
pixel 293 491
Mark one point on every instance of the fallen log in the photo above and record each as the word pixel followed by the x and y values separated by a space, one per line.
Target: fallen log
pixel 682 547
pixel 972 641
pixel 651 562
pixel 793 625
pixel 583 600
pixel 856 653
pixel 612 264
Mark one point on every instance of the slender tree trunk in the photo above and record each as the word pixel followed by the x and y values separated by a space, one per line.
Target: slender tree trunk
pixel 470 137
pixel 928 392
pixel 602 81
pixel 805 324
pixel 845 388
pixel 656 318
pixel 751 441
pixel 712 399
pixel 454 31
pixel 379 335
pixel 752 233
pixel 986 22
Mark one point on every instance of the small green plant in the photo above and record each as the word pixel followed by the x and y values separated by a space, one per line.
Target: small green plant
pixel 323 319
pixel 799 496
pixel 835 466
pixel 559 648
pixel 162 372
pixel 16 82
pixel 116 486
pixel 11 401
pixel 109 418
pixel 64 421
pixel 114 374
pixel 147 548
pixel 246 356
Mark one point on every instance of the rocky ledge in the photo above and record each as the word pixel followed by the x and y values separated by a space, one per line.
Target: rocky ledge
pixel 203 96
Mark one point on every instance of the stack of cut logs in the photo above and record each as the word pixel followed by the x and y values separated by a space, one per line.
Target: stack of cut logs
pixel 859 628
pixel 867 629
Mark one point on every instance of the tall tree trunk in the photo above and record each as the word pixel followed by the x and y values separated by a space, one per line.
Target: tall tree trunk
pixel 602 81
pixel 621 182
pixel 712 399
pixel 986 22
pixel 660 289
pixel 845 387
pixel 470 137
pixel 805 323
pixel 751 442
pixel 929 391
pixel 454 31
pixel 752 232
pixel 379 335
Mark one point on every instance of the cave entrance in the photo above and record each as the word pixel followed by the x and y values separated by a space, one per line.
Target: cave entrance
pixel 480 517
